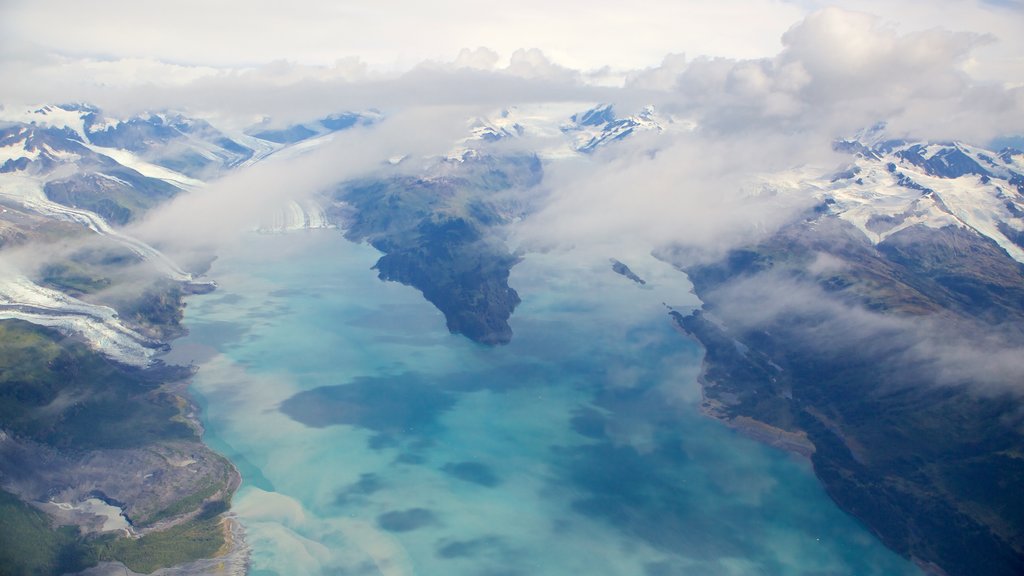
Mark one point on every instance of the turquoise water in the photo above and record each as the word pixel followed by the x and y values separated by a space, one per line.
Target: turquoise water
pixel 371 441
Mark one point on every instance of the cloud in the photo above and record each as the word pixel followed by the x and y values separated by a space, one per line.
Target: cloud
pixel 395 35
pixel 831 70
pixel 999 61
pixel 685 190
pixel 292 92
pixel 763 107
pixel 923 349
pixel 838 72
pixel 241 200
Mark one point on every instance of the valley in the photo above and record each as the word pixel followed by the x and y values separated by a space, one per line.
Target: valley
pixel 850 334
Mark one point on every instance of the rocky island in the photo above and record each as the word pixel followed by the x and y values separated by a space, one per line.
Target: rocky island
pixel 622 270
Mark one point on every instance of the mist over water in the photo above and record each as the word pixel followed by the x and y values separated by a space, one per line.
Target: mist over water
pixel 371 441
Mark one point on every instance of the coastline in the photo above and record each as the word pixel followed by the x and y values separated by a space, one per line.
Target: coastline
pixel 232 559
pixel 794 442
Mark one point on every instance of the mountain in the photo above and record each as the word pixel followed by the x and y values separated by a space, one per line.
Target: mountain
pixel 94 432
pixel 878 334
pixel 168 139
pixel 894 185
pixel 294 133
pixel 562 130
pixel 80 160
pixel 599 126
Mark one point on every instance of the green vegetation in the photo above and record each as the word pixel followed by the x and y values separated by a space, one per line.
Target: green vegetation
pixel 119 195
pixel 61 393
pixel 30 545
pixel 72 279
pixel 200 538
pixel 106 274
pixel 208 489
pixel 157 310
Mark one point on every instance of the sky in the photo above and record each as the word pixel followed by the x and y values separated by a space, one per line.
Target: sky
pixel 123 42
pixel 394 35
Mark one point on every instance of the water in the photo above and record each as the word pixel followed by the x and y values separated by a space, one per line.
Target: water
pixel 371 441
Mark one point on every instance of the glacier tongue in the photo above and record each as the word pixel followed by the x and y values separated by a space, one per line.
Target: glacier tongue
pixel 296 215
pixel 28 192
pixel 22 299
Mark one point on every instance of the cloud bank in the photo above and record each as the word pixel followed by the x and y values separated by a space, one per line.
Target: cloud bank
pixel 921 349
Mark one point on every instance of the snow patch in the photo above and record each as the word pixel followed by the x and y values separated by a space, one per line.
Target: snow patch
pixel 888 193
pixel 16 151
pixel 45 115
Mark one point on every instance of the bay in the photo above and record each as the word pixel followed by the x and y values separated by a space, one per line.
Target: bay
pixel 372 441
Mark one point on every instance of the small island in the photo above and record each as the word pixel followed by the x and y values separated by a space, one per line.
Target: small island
pixel 623 270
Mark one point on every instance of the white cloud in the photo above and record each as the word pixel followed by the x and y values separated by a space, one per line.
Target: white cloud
pixel 1001 61
pixel 218 213
pixel 839 71
pixel 393 34
pixel 756 62
pixel 688 190
pixel 922 349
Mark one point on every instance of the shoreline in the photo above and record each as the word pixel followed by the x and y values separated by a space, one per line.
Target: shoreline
pixel 793 442
pixel 232 559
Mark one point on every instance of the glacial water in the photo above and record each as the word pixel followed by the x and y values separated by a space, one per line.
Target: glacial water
pixel 371 441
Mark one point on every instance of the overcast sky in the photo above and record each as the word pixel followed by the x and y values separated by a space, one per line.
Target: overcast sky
pixel 257 57
pixel 392 35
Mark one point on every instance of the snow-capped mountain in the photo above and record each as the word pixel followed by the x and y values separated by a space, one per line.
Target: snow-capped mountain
pixel 76 174
pixel 492 130
pixel 561 129
pixel 188 146
pixel 78 156
pixel 892 185
pixel 598 127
